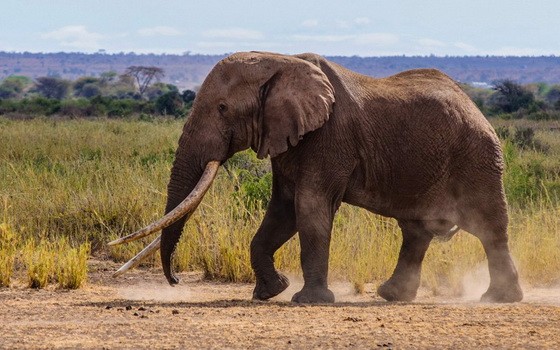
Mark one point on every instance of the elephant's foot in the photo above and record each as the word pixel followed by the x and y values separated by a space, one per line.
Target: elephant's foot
pixel 503 294
pixel 172 279
pixel 392 290
pixel 313 295
pixel 266 289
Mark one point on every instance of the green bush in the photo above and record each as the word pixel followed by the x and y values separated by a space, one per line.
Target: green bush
pixel 76 108
pixel 253 179
pixel 544 115
pixel 38 106
pixel 255 191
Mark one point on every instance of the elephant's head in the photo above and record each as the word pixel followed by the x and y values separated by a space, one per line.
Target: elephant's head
pixel 264 101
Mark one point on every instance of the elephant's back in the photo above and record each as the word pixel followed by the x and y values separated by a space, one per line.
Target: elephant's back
pixel 425 134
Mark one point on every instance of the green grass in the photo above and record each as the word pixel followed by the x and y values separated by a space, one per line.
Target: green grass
pixel 85 182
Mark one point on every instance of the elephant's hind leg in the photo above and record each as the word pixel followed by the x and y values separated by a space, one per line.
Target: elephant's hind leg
pixel 489 223
pixel 277 227
pixel 404 283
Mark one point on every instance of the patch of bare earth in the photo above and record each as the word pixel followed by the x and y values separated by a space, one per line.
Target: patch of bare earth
pixel 141 311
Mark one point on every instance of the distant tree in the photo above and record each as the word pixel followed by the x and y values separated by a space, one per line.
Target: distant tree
pixel 553 96
pixel 123 88
pixel 144 76
pixel 158 89
pixel 188 96
pixel 170 103
pixel 14 86
pixel 87 87
pixel 51 87
pixel 108 77
pixel 510 96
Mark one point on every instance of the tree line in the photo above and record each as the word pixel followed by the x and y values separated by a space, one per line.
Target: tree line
pixel 507 99
pixel 138 91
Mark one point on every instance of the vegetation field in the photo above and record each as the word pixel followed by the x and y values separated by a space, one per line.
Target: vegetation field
pixel 69 186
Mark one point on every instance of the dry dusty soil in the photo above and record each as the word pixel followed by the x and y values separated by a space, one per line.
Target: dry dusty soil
pixel 141 311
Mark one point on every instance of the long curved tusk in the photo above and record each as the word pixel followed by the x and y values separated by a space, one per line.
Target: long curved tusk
pixel 186 206
pixel 150 248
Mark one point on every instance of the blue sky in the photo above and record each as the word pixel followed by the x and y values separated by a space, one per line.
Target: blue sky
pixel 357 27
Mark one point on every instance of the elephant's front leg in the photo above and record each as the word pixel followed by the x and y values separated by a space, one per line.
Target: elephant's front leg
pixel 404 283
pixel 314 222
pixel 278 226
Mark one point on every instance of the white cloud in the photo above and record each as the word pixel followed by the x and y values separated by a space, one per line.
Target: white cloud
pixel 234 33
pixel 310 23
pixel 357 39
pixel 342 24
pixel 519 51
pixel 159 31
pixel 430 42
pixel 323 38
pixel 213 44
pixel 77 37
pixel 362 20
pixel 376 39
pixel 465 47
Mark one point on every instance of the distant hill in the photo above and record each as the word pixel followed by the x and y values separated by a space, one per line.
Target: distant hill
pixel 188 71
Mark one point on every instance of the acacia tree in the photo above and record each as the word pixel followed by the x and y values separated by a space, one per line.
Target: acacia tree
pixel 510 96
pixel 52 87
pixel 144 76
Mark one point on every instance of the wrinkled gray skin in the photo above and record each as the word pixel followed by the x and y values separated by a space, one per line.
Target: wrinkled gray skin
pixel 411 146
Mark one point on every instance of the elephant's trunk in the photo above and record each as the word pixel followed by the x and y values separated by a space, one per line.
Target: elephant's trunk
pixel 185 172
pixel 179 207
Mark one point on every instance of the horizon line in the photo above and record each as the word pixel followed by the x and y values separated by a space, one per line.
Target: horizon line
pixel 189 53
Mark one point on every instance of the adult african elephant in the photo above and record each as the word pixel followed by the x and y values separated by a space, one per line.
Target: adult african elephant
pixel 411 146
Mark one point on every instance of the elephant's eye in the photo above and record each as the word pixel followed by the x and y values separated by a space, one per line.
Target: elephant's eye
pixel 222 108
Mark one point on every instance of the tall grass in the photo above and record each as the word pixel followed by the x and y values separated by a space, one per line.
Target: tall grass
pixel 71 265
pixel 89 181
pixel 8 243
pixel 38 259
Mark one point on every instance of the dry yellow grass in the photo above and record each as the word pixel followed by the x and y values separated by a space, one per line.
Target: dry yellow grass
pixel 92 180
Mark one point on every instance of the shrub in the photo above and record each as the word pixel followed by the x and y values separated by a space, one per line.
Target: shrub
pixel 76 108
pixel 522 138
pixel 544 115
pixel 39 106
pixel 255 191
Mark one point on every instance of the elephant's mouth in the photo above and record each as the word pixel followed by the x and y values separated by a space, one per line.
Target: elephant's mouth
pixel 187 206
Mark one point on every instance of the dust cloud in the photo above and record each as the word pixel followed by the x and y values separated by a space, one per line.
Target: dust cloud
pixel 475 283
pixel 156 292
pixel 343 291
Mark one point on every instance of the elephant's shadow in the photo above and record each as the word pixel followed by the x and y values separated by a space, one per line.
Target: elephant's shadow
pixel 231 303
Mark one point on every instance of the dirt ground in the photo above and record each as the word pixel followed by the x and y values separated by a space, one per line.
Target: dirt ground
pixel 141 311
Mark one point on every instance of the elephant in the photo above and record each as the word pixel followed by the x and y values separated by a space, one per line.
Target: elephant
pixel 411 146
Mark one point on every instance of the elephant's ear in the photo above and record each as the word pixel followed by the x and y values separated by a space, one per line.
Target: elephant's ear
pixel 297 99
